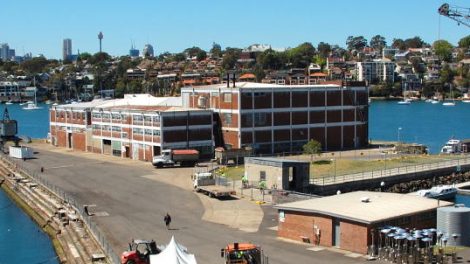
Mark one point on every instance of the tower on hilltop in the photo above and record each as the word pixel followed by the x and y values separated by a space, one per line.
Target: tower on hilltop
pixel 100 37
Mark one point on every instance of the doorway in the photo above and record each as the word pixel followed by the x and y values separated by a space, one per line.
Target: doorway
pixel 69 137
pixel 336 233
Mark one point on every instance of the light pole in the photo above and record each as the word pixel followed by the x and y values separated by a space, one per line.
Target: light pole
pixel 398 134
pixel 334 161
pixel 382 184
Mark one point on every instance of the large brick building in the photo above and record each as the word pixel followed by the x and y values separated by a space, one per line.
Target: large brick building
pixel 282 118
pixel 138 127
pixel 348 220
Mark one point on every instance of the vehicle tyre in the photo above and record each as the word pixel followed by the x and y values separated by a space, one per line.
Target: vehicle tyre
pixel 130 261
pixel 159 165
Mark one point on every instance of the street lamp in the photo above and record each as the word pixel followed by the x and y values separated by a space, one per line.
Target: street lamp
pixel 398 134
pixel 382 184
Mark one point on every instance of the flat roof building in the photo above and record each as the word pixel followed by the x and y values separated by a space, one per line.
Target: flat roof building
pixel 347 221
pixel 138 126
pixel 274 118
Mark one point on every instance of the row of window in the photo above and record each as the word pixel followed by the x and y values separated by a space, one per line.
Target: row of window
pixel 74 115
pixel 139 131
pixel 115 116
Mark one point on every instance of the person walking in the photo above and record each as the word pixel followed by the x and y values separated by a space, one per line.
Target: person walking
pixel 167 220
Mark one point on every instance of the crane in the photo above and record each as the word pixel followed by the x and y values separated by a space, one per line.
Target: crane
pixel 459 14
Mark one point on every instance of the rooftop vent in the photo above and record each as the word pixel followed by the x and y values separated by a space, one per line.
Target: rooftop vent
pixel 365 199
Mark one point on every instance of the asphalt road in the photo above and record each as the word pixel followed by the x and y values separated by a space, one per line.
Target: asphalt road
pixel 130 205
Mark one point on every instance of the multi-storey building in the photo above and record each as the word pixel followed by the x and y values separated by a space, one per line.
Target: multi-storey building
pixel 137 127
pixel 66 49
pixel 382 70
pixel 282 118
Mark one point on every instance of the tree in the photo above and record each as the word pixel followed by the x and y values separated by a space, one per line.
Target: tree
pixel 270 59
pixel 357 43
pixel 464 42
pixel 192 52
pixel 443 50
pixel 230 58
pixel 99 57
pixel 311 148
pixel 84 56
pixel 378 42
pixel 446 74
pixel 34 65
pixel 302 55
pixel 399 44
pixel 201 55
pixel 179 57
pixel 415 42
pixel 216 50
pixel 323 49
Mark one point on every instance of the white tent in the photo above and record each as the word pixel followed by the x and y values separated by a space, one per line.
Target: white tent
pixel 173 253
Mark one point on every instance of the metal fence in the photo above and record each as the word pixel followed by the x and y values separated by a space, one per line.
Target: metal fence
pixel 68 199
pixel 334 179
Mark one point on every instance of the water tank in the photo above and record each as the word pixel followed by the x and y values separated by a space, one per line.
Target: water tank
pixel 201 102
pixel 454 220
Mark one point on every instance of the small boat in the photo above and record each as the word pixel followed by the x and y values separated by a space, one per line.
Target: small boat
pixel 439 192
pixel 452 146
pixel 448 104
pixel 428 100
pixel 9 102
pixel 32 105
pixel 434 101
pixel 404 102
pixel 466 101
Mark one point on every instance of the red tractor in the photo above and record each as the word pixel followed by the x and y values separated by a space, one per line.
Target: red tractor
pixel 139 252
pixel 242 253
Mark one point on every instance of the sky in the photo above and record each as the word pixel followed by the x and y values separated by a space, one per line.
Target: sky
pixel 40 26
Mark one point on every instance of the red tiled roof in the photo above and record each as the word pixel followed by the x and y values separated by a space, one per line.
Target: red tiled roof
pixel 318 74
pixel 247 76
pixel 190 81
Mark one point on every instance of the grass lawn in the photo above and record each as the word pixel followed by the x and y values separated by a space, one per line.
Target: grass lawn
pixel 322 168
pixel 326 167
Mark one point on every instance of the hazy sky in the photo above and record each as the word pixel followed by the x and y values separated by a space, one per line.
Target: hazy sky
pixel 40 26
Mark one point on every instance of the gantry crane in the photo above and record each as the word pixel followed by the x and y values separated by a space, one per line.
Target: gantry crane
pixel 459 14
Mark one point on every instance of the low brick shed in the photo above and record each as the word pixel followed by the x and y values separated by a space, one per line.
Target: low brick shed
pixel 347 221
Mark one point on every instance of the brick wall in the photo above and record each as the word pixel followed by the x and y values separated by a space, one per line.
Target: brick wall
pixel 297 225
pixel 79 141
pixel 354 237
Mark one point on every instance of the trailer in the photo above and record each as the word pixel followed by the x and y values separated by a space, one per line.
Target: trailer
pixel 204 182
pixel 237 155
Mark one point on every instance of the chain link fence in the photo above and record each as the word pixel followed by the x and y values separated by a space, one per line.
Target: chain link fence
pixel 68 199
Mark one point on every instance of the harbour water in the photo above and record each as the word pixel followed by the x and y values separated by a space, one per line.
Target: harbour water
pixel 425 123
pixel 21 240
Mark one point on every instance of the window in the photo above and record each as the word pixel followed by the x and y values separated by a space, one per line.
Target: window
pixel 227 97
pixel 156 133
pixel 227 119
pixel 116 129
pixel 116 116
pixel 138 117
pixel 96 126
pixel 262 176
pixel 96 115
pixel 156 119
pixel 137 130
pixel 260 119
pixel 106 116
pixel 148 118
pixel 148 132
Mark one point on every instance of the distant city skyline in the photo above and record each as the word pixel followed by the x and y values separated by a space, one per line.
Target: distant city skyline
pixel 176 26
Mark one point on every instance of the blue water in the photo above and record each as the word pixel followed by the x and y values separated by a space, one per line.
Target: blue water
pixel 429 124
pixel 462 199
pixel 32 123
pixel 21 240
